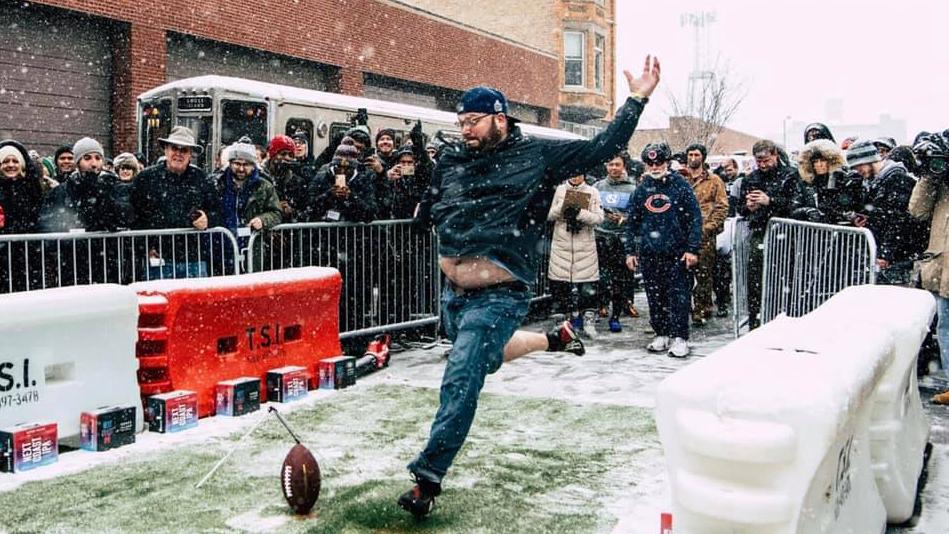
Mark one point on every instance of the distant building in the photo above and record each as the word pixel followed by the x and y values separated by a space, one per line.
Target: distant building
pixel 74 68
pixel 727 142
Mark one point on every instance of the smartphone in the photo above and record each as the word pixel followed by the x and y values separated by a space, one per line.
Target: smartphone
pixel 407 170
pixel 340 180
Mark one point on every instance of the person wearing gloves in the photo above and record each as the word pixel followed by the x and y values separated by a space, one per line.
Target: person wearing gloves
pixel 573 258
pixel 663 237
pixel 342 190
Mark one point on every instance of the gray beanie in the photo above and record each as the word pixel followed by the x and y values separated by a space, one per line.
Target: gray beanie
pixel 244 151
pixel 87 145
pixel 862 152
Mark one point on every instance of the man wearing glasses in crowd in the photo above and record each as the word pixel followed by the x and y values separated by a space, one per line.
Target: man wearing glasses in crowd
pixel 488 201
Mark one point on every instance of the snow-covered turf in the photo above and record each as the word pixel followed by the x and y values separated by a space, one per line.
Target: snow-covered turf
pixel 560 444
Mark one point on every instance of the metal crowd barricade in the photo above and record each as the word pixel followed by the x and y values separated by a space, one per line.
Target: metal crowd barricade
pixel 41 261
pixel 391 278
pixel 741 251
pixel 806 263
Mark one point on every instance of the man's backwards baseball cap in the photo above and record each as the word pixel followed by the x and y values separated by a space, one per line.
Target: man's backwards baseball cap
pixel 483 99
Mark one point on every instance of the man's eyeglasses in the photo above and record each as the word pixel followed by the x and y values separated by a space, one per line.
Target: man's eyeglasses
pixel 241 164
pixel 471 122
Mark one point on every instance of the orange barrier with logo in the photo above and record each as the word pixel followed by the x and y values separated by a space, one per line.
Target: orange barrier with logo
pixel 194 333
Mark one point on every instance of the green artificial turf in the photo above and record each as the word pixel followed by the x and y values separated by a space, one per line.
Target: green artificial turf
pixel 530 465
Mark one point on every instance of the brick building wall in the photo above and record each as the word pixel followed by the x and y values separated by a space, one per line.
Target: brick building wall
pixel 356 36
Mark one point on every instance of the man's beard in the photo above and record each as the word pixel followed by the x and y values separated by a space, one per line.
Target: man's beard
pixel 695 165
pixel 490 140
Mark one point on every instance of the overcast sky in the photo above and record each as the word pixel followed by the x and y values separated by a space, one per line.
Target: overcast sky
pixel 792 56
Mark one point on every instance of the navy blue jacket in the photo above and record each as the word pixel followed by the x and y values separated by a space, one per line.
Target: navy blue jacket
pixel 664 218
pixel 494 203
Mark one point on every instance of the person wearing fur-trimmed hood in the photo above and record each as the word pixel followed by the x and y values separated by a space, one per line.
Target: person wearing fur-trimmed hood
pixel 824 193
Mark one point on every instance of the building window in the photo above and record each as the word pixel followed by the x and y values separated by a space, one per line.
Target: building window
pixel 598 46
pixel 573 59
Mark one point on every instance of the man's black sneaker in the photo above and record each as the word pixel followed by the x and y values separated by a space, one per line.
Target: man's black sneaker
pixel 564 338
pixel 420 500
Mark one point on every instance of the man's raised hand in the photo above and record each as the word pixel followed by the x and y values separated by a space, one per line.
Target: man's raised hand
pixel 647 83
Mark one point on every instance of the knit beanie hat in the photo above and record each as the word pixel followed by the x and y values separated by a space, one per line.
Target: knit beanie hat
pixel 86 145
pixel 346 151
pixel 10 150
pixel 244 151
pixel 50 166
pixel 385 131
pixel 360 134
pixel 862 152
pixel 126 159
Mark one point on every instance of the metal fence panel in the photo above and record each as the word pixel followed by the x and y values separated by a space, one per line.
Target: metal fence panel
pixel 391 278
pixel 41 261
pixel 741 243
pixel 806 263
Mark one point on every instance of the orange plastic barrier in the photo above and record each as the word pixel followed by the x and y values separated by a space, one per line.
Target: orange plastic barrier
pixel 195 333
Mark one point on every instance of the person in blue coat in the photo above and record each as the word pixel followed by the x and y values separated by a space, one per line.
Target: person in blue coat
pixel 663 237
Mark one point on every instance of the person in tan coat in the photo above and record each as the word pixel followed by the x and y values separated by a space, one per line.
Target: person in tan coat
pixel 713 201
pixel 575 211
pixel 930 202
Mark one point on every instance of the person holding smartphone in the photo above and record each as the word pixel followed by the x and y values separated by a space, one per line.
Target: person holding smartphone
pixel 342 190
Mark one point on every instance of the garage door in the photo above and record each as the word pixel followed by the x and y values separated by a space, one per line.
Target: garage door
pixel 55 78
pixel 189 56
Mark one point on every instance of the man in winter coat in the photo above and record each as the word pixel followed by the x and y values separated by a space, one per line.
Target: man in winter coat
pixel 761 197
pixel 573 253
pixel 408 176
pixel 65 162
pixel 930 202
pixel 663 238
pixel 305 162
pixel 617 282
pixel 713 201
pixel 817 130
pixel 342 190
pixel 290 185
pixel 888 188
pixel 85 199
pixel 173 193
pixel 488 201
pixel 386 149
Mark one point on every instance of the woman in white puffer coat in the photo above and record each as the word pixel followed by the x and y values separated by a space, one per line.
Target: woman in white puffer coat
pixel 573 258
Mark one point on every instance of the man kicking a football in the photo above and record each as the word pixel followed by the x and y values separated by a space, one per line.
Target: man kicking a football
pixel 489 201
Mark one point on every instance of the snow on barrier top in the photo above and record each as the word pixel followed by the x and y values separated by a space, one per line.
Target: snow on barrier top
pixel 281 276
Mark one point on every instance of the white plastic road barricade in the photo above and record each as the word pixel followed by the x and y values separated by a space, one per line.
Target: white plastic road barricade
pixel 66 351
pixel 802 425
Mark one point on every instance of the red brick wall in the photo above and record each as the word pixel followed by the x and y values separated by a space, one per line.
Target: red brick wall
pixel 356 35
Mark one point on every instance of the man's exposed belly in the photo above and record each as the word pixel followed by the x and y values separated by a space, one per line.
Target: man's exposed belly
pixel 472 272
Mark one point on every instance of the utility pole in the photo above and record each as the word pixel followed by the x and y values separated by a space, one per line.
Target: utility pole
pixel 701 79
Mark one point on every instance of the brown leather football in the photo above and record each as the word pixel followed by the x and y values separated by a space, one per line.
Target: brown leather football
pixel 300 479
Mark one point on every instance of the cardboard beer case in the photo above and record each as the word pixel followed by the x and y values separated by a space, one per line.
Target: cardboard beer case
pixel 287 384
pixel 28 446
pixel 337 373
pixel 173 412
pixel 238 397
pixel 108 427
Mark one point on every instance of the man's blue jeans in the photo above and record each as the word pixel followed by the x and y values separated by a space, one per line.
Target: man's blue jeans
pixel 942 332
pixel 479 324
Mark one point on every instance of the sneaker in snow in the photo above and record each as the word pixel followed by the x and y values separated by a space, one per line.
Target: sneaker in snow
pixel 564 338
pixel 589 324
pixel 420 500
pixel 659 344
pixel 679 348
pixel 615 326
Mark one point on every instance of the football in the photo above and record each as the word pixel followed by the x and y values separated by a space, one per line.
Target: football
pixel 300 479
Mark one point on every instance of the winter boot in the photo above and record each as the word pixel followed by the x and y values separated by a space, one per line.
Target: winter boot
pixel 589 324
pixel 563 338
pixel 420 500
pixel 615 326
pixel 679 348
pixel 659 344
pixel 631 309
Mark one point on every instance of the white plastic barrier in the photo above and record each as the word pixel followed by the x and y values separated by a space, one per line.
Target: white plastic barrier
pixel 772 433
pixel 899 430
pixel 66 351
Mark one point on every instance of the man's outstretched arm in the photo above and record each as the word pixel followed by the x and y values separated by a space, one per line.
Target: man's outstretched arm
pixel 571 158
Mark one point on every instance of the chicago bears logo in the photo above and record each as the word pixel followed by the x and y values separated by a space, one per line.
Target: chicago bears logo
pixel 658 203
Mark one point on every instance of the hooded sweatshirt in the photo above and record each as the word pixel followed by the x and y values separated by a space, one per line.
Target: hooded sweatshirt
pixel 664 218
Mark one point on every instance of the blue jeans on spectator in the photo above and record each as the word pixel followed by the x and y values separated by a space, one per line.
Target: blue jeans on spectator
pixel 479 324
pixel 942 332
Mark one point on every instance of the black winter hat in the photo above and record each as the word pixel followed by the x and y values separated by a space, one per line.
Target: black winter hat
pixel 385 131
pixel 60 151
pixel 360 135
pixel 656 153
pixel 697 146
pixel 823 132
